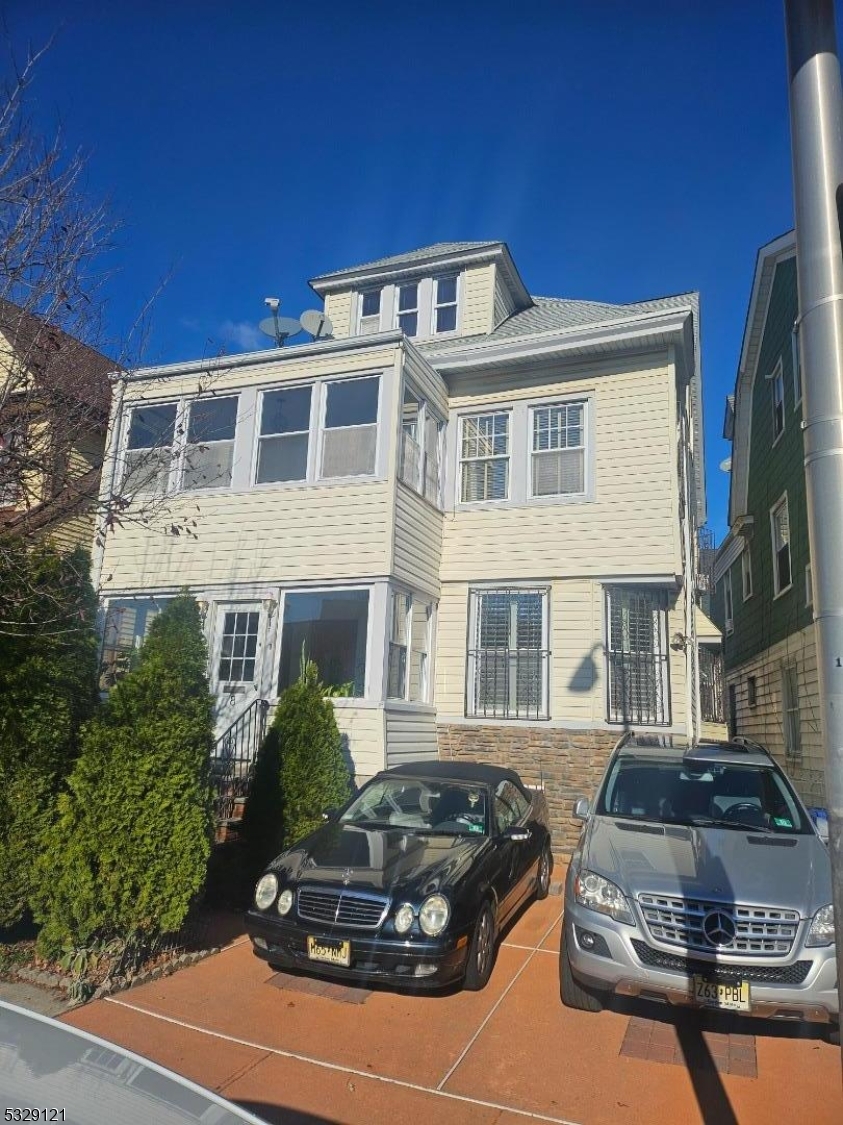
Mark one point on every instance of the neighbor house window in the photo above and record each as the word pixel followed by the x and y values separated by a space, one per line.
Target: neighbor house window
pixel 637 656
pixel 728 603
pixel 780 531
pixel 149 450
pixel 777 389
pixel 209 452
pixel 420 625
pixel 797 366
pixel 445 304
pixel 508 657
pixel 558 450
pixel 484 457
pixel 396 687
pixel 746 572
pixel 127 623
pixel 238 647
pixel 790 712
pixel 752 691
pixel 408 309
pixel 370 312
pixel 330 628
pixel 12 459
pixel 350 434
pixel 284 432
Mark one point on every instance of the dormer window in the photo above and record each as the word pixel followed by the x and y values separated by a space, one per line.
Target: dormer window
pixel 445 304
pixel 370 312
pixel 408 309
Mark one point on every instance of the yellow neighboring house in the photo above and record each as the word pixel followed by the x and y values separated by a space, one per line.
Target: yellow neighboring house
pixel 54 403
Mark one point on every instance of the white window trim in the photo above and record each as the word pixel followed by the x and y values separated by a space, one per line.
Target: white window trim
pixel 746 572
pixel 182 451
pixel 782 500
pixel 222 608
pixel 561 497
pixel 489 410
pixel 399 285
pixel 314 408
pixel 794 352
pixel 359 317
pixel 776 378
pixel 179 433
pixel 481 588
pixel 425 414
pixel 434 305
pixel 325 386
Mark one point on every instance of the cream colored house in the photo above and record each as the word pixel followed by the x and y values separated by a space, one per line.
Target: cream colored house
pixel 476 509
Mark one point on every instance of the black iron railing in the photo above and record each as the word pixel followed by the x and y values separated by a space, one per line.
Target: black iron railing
pixel 508 683
pixel 233 758
pixel 712 708
pixel 638 688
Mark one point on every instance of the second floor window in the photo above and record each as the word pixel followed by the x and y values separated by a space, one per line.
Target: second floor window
pixel 284 435
pixel 558 450
pixel 408 309
pixel 209 453
pixel 777 387
pixel 746 572
pixel 370 312
pixel 351 428
pixel 780 532
pixel 150 450
pixel 484 457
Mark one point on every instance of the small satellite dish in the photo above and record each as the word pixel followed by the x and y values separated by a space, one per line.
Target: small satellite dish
pixel 726 466
pixel 280 328
pixel 317 324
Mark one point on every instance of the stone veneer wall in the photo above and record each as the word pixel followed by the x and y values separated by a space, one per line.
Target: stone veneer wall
pixel 570 762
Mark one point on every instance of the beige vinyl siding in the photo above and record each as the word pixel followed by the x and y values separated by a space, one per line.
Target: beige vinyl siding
pixel 78 531
pixel 629 527
pixel 410 735
pixel 477 300
pixel 428 382
pixel 418 541
pixel 765 722
pixel 338 306
pixel 504 306
pixel 363 728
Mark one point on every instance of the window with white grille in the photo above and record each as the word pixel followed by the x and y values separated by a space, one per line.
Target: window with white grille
pixel 284 435
pixel 637 656
pixel 484 457
pixel 209 452
pixel 149 452
pixel 558 449
pixel 350 434
pixel 238 647
pixel 370 312
pixel 445 304
pixel 780 532
pixel 508 657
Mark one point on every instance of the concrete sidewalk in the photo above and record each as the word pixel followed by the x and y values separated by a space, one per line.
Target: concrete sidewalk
pixel 294 1051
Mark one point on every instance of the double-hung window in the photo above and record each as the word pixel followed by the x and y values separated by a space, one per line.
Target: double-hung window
pixel 396 687
pixel 370 312
pixel 637 656
pixel 350 434
pixel 484 457
pixel 409 648
pixel 410 461
pixel 149 452
pixel 780 533
pixel 284 433
pixel 209 452
pixel 558 449
pixel 777 390
pixel 508 658
pixel 408 308
pixel 420 461
pixel 790 713
pixel 444 304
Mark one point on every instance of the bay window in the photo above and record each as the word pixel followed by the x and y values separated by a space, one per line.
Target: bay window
pixel 330 628
pixel 351 427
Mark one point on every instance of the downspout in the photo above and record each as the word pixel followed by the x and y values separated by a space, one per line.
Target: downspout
pixel 107 483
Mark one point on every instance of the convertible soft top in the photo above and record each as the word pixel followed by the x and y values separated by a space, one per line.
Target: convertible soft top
pixel 476 772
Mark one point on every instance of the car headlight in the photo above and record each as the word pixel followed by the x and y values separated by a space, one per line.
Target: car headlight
pixel 599 894
pixel 404 916
pixel 265 891
pixel 822 927
pixel 285 901
pixel 434 915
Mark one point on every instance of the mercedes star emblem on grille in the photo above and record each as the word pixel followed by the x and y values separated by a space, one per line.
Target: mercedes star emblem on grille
pixel 346 876
pixel 719 928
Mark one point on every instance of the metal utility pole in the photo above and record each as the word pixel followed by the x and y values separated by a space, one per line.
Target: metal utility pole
pixel 816 126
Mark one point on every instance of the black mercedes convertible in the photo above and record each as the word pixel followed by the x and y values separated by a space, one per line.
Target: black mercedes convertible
pixel 411 882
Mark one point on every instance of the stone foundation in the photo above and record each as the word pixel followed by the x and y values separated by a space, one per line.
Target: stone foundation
pixel 571 763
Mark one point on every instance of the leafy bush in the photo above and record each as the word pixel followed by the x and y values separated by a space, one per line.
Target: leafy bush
pixel 128 853
pixel 48 664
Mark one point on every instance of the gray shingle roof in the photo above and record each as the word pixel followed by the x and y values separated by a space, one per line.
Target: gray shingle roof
pixel 437 250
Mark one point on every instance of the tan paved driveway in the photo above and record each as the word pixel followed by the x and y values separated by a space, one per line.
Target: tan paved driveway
pixel 507 1055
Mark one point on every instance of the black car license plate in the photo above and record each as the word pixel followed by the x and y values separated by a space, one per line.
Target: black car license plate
pixel 328 951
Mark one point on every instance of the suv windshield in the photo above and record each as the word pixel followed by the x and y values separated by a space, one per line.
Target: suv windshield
pixel 725 795
pixel 431 807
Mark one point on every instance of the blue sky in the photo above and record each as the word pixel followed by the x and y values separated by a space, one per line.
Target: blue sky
pixel 623 151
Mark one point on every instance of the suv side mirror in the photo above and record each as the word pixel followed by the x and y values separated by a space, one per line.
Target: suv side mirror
pixel 582 808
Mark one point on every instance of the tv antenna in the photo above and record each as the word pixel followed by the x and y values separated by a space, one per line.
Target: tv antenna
pixel 317 324
pixel 280 328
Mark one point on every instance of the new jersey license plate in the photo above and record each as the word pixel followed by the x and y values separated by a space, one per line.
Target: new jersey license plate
pixel 732 996
pixel 329 952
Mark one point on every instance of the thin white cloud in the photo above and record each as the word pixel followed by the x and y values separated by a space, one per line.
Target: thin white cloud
pixel 244 335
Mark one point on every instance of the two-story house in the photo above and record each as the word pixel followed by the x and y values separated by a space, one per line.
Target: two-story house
pixel 763 572
pixel 475 509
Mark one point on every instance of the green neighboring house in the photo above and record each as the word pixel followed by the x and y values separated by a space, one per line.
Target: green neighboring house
pixel 763 600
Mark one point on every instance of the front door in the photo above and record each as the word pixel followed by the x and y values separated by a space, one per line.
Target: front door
pixel 236 659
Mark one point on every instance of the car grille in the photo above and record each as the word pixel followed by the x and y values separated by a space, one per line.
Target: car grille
pixel 332 907
pixel 761 974
pixel 761 931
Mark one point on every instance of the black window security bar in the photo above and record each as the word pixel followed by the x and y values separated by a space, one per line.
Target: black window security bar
pixel 508 683
pixel 711 686
pixel 637 657
pixel 233 758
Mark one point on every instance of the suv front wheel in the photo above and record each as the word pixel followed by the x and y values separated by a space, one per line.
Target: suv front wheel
pixel 574 994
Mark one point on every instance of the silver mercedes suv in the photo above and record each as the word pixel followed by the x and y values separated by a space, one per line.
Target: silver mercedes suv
pixel 699 878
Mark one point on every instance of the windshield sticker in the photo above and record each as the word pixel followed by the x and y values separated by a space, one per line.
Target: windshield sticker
pixel 782 822
pixel 475 827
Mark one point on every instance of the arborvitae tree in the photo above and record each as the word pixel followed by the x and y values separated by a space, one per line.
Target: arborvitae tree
pixel 48 688
pixel 263 819
pixel 128 853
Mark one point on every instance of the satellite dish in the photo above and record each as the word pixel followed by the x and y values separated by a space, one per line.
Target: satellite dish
pixel 726 466
pixel 317 324
pixel 280 328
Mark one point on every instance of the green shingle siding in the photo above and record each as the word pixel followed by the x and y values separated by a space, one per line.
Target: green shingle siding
pixel 762 621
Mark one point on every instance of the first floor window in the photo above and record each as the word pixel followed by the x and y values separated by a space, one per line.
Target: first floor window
pixel 780 530
pixel 209 453
pixel 484 457
pixel 330 628
pixel 396 687
pixel 370 312
pixel 790 709
pixel 238 647
pixel 558 449
pixel 351 428
pixel 420 627
pixel 508 658
pixel 637 656
pixel 127 623
pixel 149 452
pixel 284 433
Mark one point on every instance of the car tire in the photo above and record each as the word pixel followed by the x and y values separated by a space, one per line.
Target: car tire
pixel 481 951
pixel 574 994
pixel 544 872
pixel 832 1034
